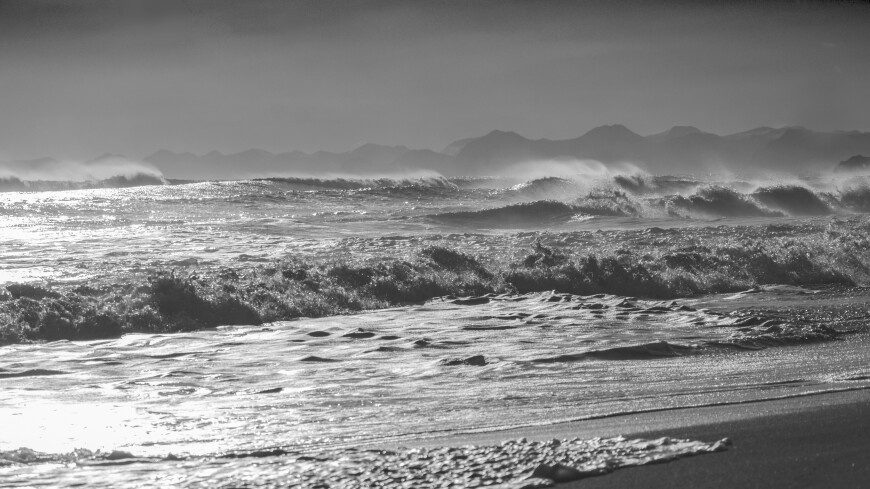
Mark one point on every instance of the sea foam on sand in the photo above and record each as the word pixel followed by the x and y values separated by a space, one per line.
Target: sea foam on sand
pixel 513 464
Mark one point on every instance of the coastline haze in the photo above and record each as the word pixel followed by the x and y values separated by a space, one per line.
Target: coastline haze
pixel 84 78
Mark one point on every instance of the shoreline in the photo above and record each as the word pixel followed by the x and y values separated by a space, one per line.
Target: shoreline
pixel 822 444
pixel 643 422
pixel 817 440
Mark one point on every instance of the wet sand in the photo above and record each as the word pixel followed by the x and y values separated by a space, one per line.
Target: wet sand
pixel 824 445
pixel 808 441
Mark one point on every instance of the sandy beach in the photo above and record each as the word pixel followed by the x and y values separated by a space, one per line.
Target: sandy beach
pixel 817 442
pixel 812 441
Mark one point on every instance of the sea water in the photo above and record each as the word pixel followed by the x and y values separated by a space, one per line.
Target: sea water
pixel 149 408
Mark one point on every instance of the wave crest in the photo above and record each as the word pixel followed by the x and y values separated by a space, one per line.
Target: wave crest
pixel 793 200
pixel 14 184
pixel 107 171
pixel 716 201
pixel 548 188
pixel 514 215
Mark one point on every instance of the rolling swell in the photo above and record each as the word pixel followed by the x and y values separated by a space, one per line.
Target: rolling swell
pixel 769 201
pixel 793 200
pixel 510 216
pixel 376 184
pixel 738 199
pixel 554 199
pixel 715 201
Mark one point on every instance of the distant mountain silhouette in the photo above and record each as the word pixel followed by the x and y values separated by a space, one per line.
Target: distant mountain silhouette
pixel 674 132
pixel 680 149
pixel 107 157
pixel 494 151
pixel 499 150
pixel 608 144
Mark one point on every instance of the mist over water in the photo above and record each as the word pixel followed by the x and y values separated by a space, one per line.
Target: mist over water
pixel 568 168
pixel 104 172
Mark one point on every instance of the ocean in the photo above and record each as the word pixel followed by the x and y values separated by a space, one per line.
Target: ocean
pixel 278 332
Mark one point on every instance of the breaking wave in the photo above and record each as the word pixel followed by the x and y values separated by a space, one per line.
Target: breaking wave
pixel 514 215
pixel 641 195
pixel 640 184
pixel 14 184
pixel 769 201
pixel 715 201
pixel 856 198
pixel 548 188
pixel 793 200
pixel 552 200
pixel 47 174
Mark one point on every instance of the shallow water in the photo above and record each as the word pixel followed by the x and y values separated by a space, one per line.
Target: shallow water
pixel 310 385
pixel 512 464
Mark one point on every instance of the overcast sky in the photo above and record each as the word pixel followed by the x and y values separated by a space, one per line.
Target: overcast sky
pixel 83 77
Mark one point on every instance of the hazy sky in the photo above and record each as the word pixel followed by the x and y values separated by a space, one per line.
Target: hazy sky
pixel 83 77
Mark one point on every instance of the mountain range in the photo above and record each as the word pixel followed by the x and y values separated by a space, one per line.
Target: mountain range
pixel 680 149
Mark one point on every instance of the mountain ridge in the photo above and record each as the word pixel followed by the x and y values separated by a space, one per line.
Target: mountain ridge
pixel 680 149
